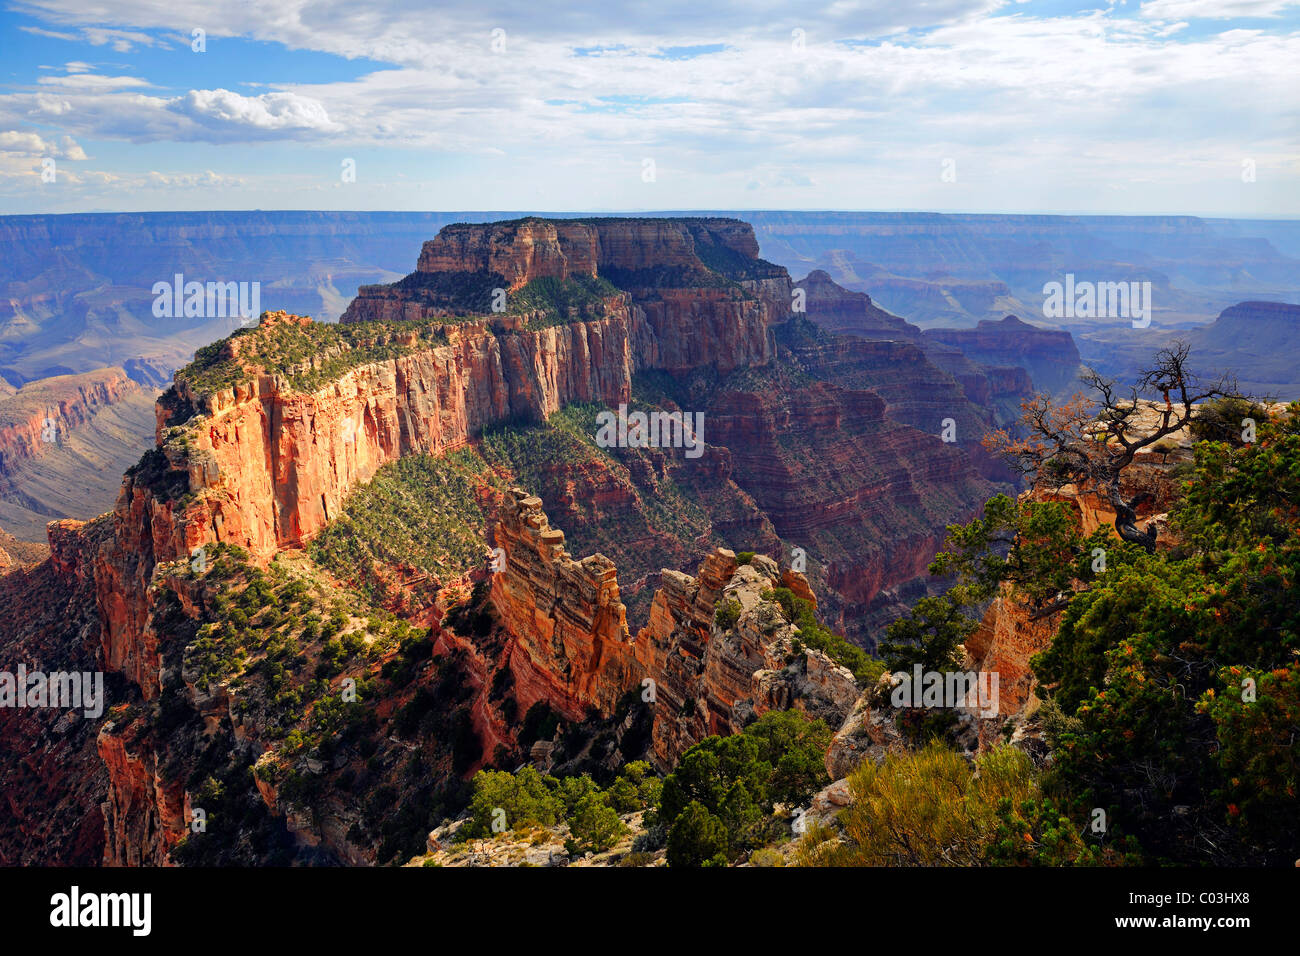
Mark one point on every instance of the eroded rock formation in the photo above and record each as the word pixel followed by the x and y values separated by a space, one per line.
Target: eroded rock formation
pixel 705 672
pixel 715 672
pixel 571 646
pixel 266 461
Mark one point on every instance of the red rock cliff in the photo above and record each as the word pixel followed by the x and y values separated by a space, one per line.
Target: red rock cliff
pixel 570 643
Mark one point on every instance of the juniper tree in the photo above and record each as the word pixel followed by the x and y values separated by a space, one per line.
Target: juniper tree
pixel 1091 439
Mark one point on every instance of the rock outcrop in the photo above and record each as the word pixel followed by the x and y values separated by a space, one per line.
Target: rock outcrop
pixel 869 732
pixel 571 647
pixel 705 671
pixel 144 812
pixel 715 670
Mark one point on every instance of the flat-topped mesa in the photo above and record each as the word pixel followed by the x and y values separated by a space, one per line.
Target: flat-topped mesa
pixel 693 290
pixel 1049 355
pixel 525 249
pixel 570 645
pixel 517 251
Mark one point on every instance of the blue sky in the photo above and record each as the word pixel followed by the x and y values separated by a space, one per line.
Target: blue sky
pixel 1164 106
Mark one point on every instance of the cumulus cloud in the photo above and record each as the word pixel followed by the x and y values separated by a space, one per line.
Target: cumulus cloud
pixel 15 141
pixel 844 103
pixel 33 144
pixel 267 111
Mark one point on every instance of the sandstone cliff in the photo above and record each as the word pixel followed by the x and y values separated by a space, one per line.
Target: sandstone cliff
pixel 571 647
pixel 687 281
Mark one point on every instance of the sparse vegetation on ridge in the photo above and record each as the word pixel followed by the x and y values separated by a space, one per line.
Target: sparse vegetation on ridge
pixel 419 512
pixel 308 356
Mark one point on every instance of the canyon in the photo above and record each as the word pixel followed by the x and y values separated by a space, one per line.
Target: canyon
pixel 823 442
pixel 75 289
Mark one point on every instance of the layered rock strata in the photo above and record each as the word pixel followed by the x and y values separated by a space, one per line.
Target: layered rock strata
pixel 41 414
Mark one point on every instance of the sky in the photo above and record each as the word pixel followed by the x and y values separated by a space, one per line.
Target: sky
pixel 1158 107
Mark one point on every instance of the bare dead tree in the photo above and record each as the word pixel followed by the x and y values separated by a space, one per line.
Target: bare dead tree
pixel 1090 440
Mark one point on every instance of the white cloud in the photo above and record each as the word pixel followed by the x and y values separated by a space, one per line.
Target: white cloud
pixel 121 41
pixel 1029 105
pixel 268 111
pixel 52 34
pixel 14 141
pixel 207 178
pixel 33 144
pixel 93 81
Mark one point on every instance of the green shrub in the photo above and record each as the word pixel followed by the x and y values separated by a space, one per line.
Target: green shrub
pixel 727 614
pixel 697 839
pixel 594 825
pixel 524 797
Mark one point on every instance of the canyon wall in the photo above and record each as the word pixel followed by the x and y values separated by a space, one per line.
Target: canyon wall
pixel 69 400
pixel 1050 356
pixel 867 497
pixel 264 463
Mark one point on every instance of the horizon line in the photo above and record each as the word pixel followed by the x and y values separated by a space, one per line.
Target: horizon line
pixel 669 212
